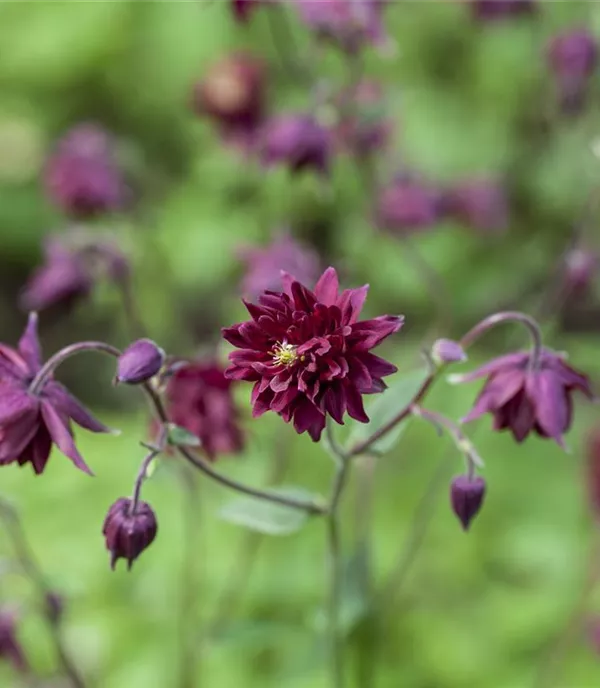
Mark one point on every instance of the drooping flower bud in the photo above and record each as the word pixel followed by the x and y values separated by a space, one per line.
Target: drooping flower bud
pixel 232 93
pixel 128 533
pixel 447 351
pixel 10 647
pixel 408 205
pixel 466 497
pixel 572 58
pixel 297 141
pixel 139 362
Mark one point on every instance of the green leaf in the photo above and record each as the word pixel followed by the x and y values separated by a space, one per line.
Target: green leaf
pixel 180 436
pixel 267 517
pixel 385 407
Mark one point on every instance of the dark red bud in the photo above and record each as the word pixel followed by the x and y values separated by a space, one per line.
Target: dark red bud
pixel 128 532
pixel 466 497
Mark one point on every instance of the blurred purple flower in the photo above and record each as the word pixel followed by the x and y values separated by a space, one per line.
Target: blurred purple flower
pixel 408 205
pixel 264 265
pixel 525 400
pixel 232 94
pixel 309 355
pixel 447 351
pixel 491 10
pixel 580 270
pixel 140 361
pixel 10 647
pixel 200 399
pixel 82 177
pixel 466 497
pixel 30 423
pixel 480 203
pixel 297 141
pixel 350 24
pixel 128 532
pixel 572 58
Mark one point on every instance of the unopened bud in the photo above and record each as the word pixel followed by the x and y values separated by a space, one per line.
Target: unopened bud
pixel 139 362
pixel 128 531
pixel 466 497
pixel 447 351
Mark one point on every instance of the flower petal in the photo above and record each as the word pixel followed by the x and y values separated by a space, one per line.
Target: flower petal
pixel 29 344
pixel 367 334
pixel 62 437
pixel 548 395
pixel 326 289
pixel 351 302
pixel 70 407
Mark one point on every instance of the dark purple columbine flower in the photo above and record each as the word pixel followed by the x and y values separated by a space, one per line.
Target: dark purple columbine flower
pixel 30 423
pixel 200 399
pixel 264 265
pixel 140 361
pixel 350 24
pixel 82 177
pixel 296 141
pixel 525 400
pixel 62 279
pixel 480 203
pixel 233 93
pixel 572 58
pixel 10 647
pixel 309 355
pixel 128 532
pixel 466 497
pixel 491 10
pixel 408 205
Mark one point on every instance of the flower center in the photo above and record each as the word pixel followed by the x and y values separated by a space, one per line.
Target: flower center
pixel 285 354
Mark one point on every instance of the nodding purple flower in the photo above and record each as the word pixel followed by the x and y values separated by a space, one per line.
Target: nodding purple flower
pixel 200 399
pixel 232 94
pixel 31 422
pixel 572 58
pixel 128 531
pixel 480 203
pixel 140 361
pixel 296 141
pixel 308 354
pixel 492 10
pixel 408 205
pixel 466 498
pixel 264 265
pixel 524 400
pixel 82 177
pixel 349 24
pixel 62 279
pixel 363 127
pixel 11 649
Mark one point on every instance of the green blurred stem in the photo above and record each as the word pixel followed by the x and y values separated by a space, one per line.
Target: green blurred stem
pixel 46 371
pixel 32 570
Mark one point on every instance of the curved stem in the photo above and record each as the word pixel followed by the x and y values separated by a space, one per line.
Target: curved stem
pixel 30 567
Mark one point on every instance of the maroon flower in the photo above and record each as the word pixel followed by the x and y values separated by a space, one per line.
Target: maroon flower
pixel 10 647
pixel 296 141
pixel 61 280
pixel 572 58
pixel 264 266
pixel 350 24
pixel 30 423
pixel 480 203
pixel 309 355
pixel 199 399
pixel 82 177
pixel 525 400
pixel 408 205
pixel 128 532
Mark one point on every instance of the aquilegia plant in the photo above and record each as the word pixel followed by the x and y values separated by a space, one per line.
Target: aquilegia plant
pixel 308 349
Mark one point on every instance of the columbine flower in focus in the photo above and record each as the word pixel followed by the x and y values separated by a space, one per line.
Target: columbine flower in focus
pixel 128 532
pixel 264 265
pixel 297 141
pixel 480 203
pixel 82 177
pixel 30 423
pixel 200 399
pixel 524 400
pixel 232 94
pixel 408 205
pixel 309 355
pixel 572 58
pixel 10 647
pixel 350 24
pixel 491 10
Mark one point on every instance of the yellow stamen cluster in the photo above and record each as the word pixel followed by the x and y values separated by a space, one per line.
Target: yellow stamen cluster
pixel 284 354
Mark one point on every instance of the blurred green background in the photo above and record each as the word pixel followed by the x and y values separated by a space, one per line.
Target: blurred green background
pixel 481 610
